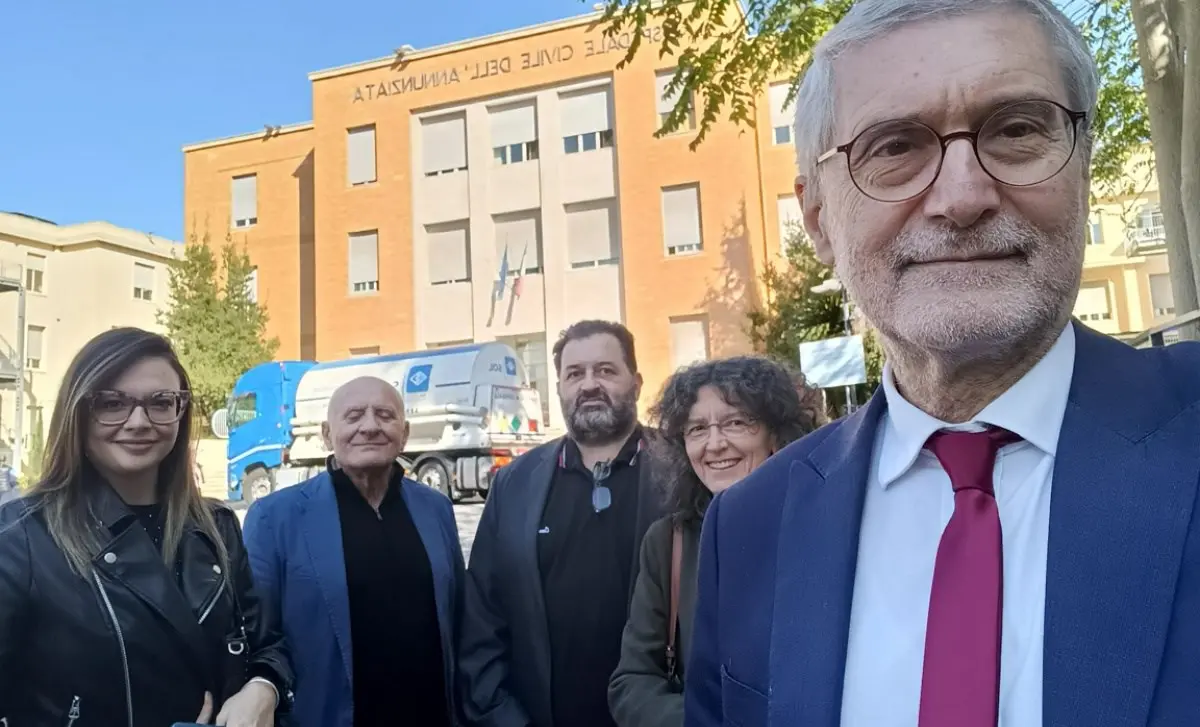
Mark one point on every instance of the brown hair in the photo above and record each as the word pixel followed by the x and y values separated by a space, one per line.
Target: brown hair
pixel 60 493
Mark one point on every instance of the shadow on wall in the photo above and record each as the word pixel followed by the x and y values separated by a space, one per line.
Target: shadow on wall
pixel 308 265
pixel 733 292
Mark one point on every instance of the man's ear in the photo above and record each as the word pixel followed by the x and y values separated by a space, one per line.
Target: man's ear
pixel 810 210
pixel 326 436
pixel 404 435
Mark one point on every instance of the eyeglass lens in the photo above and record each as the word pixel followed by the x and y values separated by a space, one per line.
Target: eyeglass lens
pixel 1021 144
pixel 114 407
pixel 601 495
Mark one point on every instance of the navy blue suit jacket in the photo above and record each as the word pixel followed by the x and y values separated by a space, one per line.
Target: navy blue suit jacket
pixel 294 538
pixel 1122 624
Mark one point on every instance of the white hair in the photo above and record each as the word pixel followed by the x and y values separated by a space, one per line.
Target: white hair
pixel 868 20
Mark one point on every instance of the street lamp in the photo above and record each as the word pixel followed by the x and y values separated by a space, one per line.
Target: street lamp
pixel 826 287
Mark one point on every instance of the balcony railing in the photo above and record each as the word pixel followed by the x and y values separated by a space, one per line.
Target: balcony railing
pixel 1143 240
pixel 1169 332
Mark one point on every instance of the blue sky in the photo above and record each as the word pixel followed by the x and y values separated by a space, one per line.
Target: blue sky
pixel 96 98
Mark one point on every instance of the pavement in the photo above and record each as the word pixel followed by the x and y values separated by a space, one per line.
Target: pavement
pixel 467 514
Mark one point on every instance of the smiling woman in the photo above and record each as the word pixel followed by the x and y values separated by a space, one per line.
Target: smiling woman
pixel 719 421
pixel 122 591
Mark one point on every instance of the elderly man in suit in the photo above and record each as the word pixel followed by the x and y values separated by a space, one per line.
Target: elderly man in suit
pixel 363 567
pixel 1008 533
pixel 555 557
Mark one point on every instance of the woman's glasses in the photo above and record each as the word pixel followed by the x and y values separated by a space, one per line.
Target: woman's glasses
pixel 162 407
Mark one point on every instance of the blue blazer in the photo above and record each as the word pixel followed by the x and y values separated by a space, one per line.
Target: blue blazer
pixel 1122 623
pixel 294 539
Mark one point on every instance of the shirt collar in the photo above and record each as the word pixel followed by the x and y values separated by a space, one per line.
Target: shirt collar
pixel 1033 408
pixel 570 455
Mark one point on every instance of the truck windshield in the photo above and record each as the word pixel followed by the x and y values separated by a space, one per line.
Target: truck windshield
pixel 242 409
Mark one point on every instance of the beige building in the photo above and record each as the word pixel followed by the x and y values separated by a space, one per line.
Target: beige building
pixel 1126 284
pixel 78 280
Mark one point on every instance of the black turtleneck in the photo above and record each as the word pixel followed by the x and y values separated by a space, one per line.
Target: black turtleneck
pixel 395 639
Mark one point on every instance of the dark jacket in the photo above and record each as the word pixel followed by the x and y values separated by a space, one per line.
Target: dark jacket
pixel 128 645
pixel 504 655
pixel 639 694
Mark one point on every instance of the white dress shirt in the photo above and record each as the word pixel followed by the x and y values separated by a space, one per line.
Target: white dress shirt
pixel 909 500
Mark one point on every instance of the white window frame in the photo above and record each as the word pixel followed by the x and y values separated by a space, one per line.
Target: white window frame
pixel 252 219
pixel 685 248
pixel 140 293
pixel 665 105
pixel 351 135
pixel 361 287
pixel 35 278
pixel 35 364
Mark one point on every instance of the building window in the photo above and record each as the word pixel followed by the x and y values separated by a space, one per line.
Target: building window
pixel 514 134
pixel 34 343
pixel 252 286
pixel 364 262
pixel 517 235
pixel 449 250
pixel 1162 295
pixel 1092 303
pixel 359 351
pixel 360 155
pixel 143 281
pixel 667 101
pixel 444 145
pixel 35 272
pixel 1150 227
pixel 791 222
pixel 244 205
pixel 586 121
pixel 681 219
pixel 781 112
pixel 689 341
pixel 1096 231
pixel 591 234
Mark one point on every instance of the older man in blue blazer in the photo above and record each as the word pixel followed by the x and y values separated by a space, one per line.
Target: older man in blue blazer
pixel 363 568
pixel 1009 533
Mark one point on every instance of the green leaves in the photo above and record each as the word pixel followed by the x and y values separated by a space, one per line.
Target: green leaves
pixel 724 57
pixel 217 329
pixel 795 314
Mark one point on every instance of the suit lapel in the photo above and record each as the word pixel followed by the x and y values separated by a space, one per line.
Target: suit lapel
pixel 435 544
pixel 818 552
pixel 1123 494
pixel 528 522
pixel 323 536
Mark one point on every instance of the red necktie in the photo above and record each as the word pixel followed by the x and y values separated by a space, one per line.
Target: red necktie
pixel 960 682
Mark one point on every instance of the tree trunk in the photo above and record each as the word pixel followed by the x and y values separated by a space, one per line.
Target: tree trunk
pixel 1157 23
pixel 1189 158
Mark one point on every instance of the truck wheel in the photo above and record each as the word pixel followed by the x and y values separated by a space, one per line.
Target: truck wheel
pixel 257 484
pixel 432 473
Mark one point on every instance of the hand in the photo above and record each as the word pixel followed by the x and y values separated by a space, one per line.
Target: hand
pixel 253 706
pixel 206 710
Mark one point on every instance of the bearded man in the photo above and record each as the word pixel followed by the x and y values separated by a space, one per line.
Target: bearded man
pixel 555 556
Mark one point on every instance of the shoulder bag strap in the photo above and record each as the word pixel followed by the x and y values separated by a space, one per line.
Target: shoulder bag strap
pixel 673 624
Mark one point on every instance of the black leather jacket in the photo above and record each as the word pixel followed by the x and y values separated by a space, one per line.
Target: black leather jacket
pixel 126 646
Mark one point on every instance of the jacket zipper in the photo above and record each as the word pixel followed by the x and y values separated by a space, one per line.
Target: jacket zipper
pixel 74 713
pixel 112 614
pixel 208 609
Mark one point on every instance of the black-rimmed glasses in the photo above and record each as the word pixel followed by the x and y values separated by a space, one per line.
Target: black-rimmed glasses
pixel 161 407
pixel 1020 144
pixel 601 495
